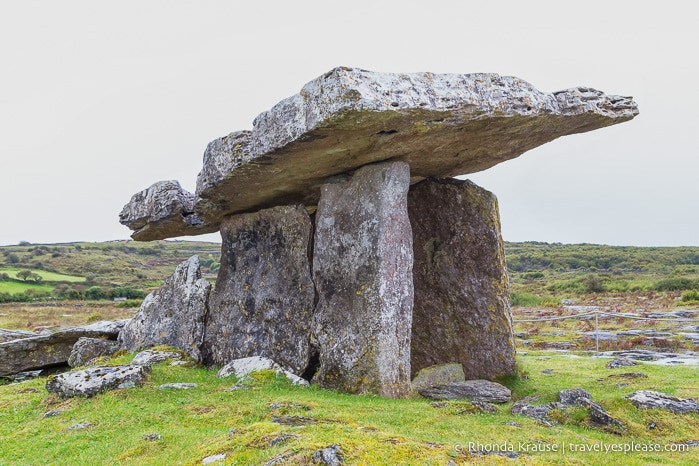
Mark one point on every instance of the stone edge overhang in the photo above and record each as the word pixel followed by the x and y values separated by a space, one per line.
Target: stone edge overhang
pixel 372 117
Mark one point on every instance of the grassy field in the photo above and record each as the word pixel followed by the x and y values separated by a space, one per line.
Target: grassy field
pixel 45 276
pixel 208 420
pixel 22 287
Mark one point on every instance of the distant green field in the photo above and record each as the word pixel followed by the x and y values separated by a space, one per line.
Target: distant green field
pixel 16 288
pixel 46 276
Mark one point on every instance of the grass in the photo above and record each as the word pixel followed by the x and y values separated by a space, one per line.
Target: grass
pixel 208 420
pixel 36 316
pixel 46 276
pixel 21 287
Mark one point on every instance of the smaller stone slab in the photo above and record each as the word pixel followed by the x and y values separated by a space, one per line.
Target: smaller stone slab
pixel 472 390
pixel 150 357
pixel 173 315
pixel 621 362
pixel 648 399
pixel 242 367
pixel 50 350
pixel 90 382
pixel 438 375
pixel 87 349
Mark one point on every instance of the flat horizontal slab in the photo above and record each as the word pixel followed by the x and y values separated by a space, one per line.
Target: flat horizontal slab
pixel 442 125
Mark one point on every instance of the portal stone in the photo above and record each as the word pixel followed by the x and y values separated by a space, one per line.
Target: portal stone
pixel 173 315
pixel 462 310
pixel 264 296
pixel 362 267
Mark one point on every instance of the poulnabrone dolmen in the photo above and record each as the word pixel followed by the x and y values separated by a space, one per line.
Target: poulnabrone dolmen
pixel 350 256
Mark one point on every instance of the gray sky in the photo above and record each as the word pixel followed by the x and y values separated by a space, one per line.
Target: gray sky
pixel 99 100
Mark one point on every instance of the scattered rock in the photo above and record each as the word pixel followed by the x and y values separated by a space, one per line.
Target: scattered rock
pixel 647 399
pixel 278 440
pixel 86 349
pixel 150 357
pixel 621 362
pixel 182 363
pixel 538 412
pixel 287 405
pixel 278 459
pixel 80 426
pixel 294 421
pixel 330 456
pixel 51 349
pixel 177 386
pixel 24 376
pixel 547 371
pixel 214 458
pixel 601 335
pixel 574 397
pixel 513 424
pixel 438 375
pixel 628 375
pixel 461 280
pixel 91 381
pixel 473 390
pixel 53 412
pixel 152 437
pixel 263 301
pixel 28 390
pixel 173 314
pixel 362 268
pixel 235 388
pixel 244 366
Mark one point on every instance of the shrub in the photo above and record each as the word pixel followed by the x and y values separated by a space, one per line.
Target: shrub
pixel 518 298
pixel 95 293
pixel 128 293
pixel 675 284
pixel 593 284
pixel 690 296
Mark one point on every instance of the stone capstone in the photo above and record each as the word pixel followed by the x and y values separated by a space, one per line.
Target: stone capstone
pixel 647 399
pixel 263 301
pixel 9 335
pixel 86 349
pixel 461 281
pixel 173 315
pixel 473 390
pixel 90 382
pixel 54 349
pixel 362 268
pixel 442 125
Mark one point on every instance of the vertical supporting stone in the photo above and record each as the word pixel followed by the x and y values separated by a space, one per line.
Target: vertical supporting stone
pixel 462 311
pixel 263 301
pixel 362 267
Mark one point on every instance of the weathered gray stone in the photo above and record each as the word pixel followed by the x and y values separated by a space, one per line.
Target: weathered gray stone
pixel 538 412
pixel 161 208
pixel 574 396
pixel 438 375
pixel 329 456
pixel 52 349
pixel 441 124
pixel 86 349
pixel 173 315
pixel 9 335
pixel 647 399
pixel 150 357
pixel 263 301
pixel 90 382
pixel 621 362
pixel 474 390
pixel 177 386
pixel 362 268
pixel 240 368
pixel 462 309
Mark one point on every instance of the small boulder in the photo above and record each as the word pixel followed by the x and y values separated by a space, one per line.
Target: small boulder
pixel 438 375
pixel 574 397
pixel 473 390
pixel 90 382
pixel 538 412
pixel 150 357
pixel 647 399
pixel 330 456
pixel 621 362
pixel 244 366
pixel 177 386
pixel 172 315
pixel 87 349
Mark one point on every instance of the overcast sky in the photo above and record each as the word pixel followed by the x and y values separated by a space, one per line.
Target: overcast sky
pixel 99 100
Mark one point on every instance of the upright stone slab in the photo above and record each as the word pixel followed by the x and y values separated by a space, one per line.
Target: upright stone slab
pixel 362 267
pixel 172 315
pixel 264 296
pixel 462 310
